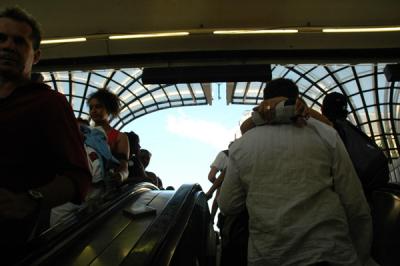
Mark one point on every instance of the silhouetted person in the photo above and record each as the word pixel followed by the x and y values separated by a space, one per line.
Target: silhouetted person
pixel 104 105
pixel 145 157
pixel 42 159
pixel 368 159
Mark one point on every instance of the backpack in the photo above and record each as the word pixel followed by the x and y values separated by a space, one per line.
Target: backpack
pixel 368 158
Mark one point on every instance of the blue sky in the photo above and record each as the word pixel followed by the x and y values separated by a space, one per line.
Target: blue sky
pixel 185 140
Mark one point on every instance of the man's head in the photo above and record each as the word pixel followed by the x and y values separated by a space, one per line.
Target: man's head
pixel 334 106
pixel 134 143
pixel 144 157
pixel 20 38
pixel 281 87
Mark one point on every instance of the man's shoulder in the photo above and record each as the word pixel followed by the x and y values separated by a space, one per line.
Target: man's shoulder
pixel 327 133
pixel 318 124
pixel 47 90
pixel 44 94
pixel 42 89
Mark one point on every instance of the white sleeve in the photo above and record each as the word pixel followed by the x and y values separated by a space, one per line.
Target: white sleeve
pixel 232 197
pixel 348 186
pixel 220 161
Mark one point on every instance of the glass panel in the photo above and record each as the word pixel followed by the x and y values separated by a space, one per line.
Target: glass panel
pixel 79 89
pixel 384 108
pixel 369 97
pixel 344 74
pixel 383 95
pixel 254 89
pixel 317 73
pixel 356 101
pixel 305 68
pixel 350 87
pixel 375 128
pixel 278 71
pixel 172 93
pixel 240 88
pixel 382 82
pixel 197 89
pixel 366 83
pixel 76 103
pixel 293 76
pixel 304 85
pixel 362 70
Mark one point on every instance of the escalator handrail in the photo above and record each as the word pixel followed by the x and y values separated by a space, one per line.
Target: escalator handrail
pixel 168 226
pixel 55 240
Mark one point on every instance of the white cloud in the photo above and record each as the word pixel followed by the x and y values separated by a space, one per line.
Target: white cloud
pixel 208 132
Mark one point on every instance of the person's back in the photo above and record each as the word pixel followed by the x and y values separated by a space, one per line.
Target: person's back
pixel 304 200
pixel 292 206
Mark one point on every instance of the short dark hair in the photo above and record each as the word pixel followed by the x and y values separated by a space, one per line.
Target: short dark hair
pixel 334 106
pixel 108 99
pixel 281 87
pixel 143 151
pixel 20 15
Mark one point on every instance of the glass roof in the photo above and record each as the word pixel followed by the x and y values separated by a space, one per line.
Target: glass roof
pixel 137 99
pixel 373 102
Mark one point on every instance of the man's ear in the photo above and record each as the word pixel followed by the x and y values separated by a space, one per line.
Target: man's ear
pixel 36 56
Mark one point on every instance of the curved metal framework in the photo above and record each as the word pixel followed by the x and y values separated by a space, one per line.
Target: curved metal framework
pixel 136 98
pixel 373 102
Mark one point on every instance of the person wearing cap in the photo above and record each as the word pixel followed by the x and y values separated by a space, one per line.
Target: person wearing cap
pixel 368 158
pixel 304 200
pixel 334 106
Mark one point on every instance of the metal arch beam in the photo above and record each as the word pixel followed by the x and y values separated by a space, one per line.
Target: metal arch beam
pixel 207 92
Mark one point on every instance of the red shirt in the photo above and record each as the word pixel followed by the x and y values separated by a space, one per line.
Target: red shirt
pixel 39 139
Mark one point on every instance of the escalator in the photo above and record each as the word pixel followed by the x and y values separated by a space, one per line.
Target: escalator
pixel 176 231
pixel 386 220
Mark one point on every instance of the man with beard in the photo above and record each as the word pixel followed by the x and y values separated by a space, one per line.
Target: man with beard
pixel 42 160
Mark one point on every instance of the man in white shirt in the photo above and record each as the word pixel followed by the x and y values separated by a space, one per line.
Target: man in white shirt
pixel 305 202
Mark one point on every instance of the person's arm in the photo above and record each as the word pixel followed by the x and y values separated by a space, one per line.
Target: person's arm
pixel 212 174
pixel 122 149
pixel 64 145
pixel 217 183
pixel 347 185
pixel 266 113
pixel 274 111
pixel 232 197
pixel 20 205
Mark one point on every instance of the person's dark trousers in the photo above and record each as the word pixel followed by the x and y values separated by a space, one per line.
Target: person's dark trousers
pixel 234 238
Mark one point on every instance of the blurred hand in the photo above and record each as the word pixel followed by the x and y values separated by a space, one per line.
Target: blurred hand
pixel 15 206
pixel 267 108
pixel 302 113
pixel 209 195
pixel 117 178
